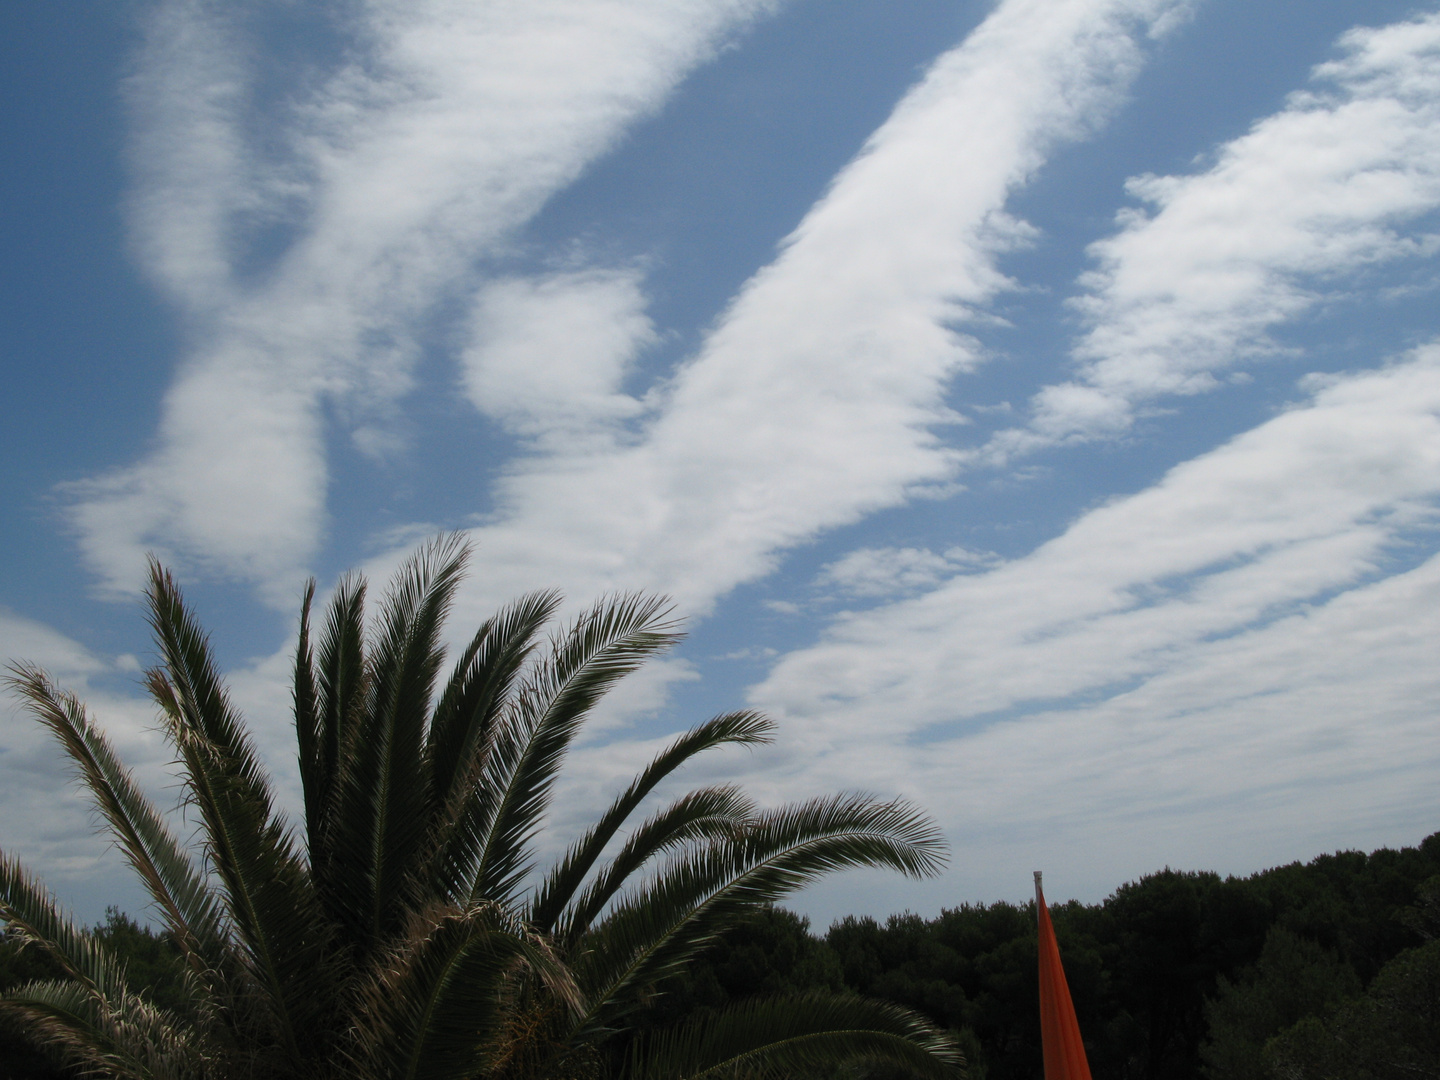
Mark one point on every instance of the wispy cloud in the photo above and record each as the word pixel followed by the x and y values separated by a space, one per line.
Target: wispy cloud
pixel 446 127
pixel 1188 288
pixel 1303 504
pixel 813 401
pixel 548 357
pixel 887 572
pixel 1231 641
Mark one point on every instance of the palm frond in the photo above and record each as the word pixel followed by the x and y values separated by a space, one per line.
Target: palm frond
pixel 707 814
pixel 461 733
pixel 437 1003
pixel 66 1020
pixel 305 696
pixel 401 948
pixel 606 643
pixel 125 1038
pixel 268 894
pixel 191 912
pixel 381 827
pixel 650 934
pixel 30 910
pixel 341 686
pixel 481 684
pixel 783 1037
pixel 738 728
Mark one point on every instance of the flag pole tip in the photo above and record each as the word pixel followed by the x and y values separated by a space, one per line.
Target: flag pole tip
pixel 1037 877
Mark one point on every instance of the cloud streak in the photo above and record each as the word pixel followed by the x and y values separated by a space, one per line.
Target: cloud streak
pixel 1307 503
pixel 813 401
pixel 445 129
pixel 1187 289
pixel 1235 638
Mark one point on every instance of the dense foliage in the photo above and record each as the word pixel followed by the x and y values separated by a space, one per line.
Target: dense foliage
pixel 1176 976
pixel 407 931
pixel 1325 971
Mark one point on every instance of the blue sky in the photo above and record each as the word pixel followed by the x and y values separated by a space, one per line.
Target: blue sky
pixel 1034 405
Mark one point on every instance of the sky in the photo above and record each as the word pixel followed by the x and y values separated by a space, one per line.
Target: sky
pixel 1033 405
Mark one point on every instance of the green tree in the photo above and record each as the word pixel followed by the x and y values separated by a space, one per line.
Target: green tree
pixel 1391 1033
pixel 407 935
pixel 1294 978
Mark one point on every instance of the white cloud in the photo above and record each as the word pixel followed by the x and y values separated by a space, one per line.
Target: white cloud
pixel 548 356
pixel 1151 663
pixel 809 406
pixel 1331 184
pixel 812 401
pixel 1313 733
pixel 450 126
pixel 868 572
pixel 24 640
pixel 1302 504
pixel 1208 670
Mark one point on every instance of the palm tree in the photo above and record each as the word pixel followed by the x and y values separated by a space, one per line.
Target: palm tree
pixel 408 934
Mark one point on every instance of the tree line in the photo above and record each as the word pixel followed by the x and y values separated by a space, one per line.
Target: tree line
pixel 1317 970
pixel 1306 972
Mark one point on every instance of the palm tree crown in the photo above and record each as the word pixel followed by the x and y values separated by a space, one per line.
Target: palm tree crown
pixel 409 935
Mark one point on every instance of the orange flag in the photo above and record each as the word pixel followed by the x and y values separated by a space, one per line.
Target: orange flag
pixel 1059 1030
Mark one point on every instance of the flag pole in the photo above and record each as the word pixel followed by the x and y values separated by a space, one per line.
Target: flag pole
pixel 1060 1040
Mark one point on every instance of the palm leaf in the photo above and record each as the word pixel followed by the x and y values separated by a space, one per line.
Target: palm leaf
pixel 438 1002
pixel 650 934
pixel 783 1037
pixel 381 827
pixel 460 739
pixel 191 912
pixel 341 687
pixel 309 725
pixel 480 686
pixel 32 912
pixel 606 643
pixel 400 950
pixel 125 1038
pixel 559 888
pixel 267 888
pixel 707 814
pixel 67 1020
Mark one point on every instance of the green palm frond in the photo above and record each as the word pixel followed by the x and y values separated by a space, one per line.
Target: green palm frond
pixel 309 726
pixel 341 685
pixel 381 828
pixel 439 1002
pixel 93 1016
pixel 68 1021
pixel 117 1038
pixel 480 686
pixel 461 734
pixel 267 886
pixel 336 680
pixel 650 934
pixel 603 645
pixel 737 728
pixel 191 911
pixel 29 909
pixel 707 814
pixel 796 1035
